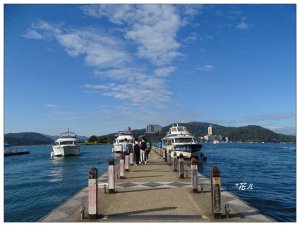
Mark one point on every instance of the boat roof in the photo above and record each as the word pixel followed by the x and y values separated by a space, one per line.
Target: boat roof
pixel 122 137
pixel 120 133
pixel 68 134
pixel 66 139
pixel 178 132
pixel 171 136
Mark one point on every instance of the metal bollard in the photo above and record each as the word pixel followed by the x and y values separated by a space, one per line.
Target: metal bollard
pixel 227 210
pixel 216 192
pixel 111 176
pixel 166 155
pixel 169 159
pixel 82 212
pixel 131 158
pixel 126 162
pixel 194 174
pixel 122 166
pixel 181 166
pixel 175 162
pixel 93 193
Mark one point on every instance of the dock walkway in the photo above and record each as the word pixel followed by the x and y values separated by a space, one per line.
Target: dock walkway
pixel 152 192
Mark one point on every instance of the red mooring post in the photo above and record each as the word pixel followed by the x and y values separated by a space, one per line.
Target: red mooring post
pixel 111 176
pixel 122 166
pixel 131 158
pixel 126 162
pixel 93 193
pixel 194 174
pixel 174 161
pixel 181 166
pixel 216 192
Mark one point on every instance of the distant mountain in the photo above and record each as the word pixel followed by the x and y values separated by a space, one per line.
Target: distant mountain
pixel 55 137
pixel 26 138
pixel 250 133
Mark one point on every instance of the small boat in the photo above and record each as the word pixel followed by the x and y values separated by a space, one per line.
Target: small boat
pixel 10 152
pixel 120 139
pixel 180 141
pixel 65 145
pixel 216 142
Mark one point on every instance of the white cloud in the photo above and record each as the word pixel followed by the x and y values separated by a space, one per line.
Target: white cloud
pixel 164 71
pixel 99 49
pixel 276 116
pixel 206 67
pixel 242 25
pixel 51 105
pixel 33 34
pixel 152 27
pixel 288 130
pixel 145 90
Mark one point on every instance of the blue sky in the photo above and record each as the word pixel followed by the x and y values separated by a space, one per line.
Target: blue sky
pixel 98 69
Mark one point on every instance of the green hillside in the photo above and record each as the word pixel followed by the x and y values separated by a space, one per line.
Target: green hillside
pixel 26 138
pixel 250 133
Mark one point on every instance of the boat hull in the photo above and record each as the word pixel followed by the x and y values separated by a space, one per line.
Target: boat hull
pixel 66 150
pixel 117 148
pixel 12 153
pixel 187 150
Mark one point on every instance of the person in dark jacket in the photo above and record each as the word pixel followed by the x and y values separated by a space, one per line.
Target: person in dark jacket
pixel 136 149
pixel 143 150
pixel 148 149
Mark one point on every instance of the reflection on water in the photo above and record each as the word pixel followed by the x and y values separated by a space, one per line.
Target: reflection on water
pixel 41 183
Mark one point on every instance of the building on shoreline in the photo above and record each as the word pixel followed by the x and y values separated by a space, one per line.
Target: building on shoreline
pixel 153 128
pixel 213 138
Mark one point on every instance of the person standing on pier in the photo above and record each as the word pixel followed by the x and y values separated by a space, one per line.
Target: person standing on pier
pixel 125 147
pixel 148 149
pixel 143 150
pixel 136 149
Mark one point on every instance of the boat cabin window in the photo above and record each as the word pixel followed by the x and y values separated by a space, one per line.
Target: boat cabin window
pixel 184 140
pixel 66 142
pixel 167 142
pixel 173 129
pixel 180 129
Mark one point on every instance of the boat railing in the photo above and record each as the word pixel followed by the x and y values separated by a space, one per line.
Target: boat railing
pixel 68 135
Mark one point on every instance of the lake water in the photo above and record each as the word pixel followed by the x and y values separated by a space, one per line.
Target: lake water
pixel 35 184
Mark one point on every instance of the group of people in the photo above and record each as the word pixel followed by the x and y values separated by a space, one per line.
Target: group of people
pixel 141 150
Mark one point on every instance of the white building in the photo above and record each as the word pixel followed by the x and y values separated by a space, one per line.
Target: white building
pixel 152 128
pixel 209 130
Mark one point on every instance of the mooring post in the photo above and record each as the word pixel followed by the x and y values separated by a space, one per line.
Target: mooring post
pixel 122 168
pixel 93 193
pixel 216 192
pixel 126 162
pixel 169 158
pixel 111 176
pixel 174 161
pixel 194 174
pixel 166 155
pixel 131 158
pixel 181 166
pixel 82 212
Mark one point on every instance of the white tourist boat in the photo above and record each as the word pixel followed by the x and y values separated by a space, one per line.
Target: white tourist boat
pixel 66 144
pixel 181 141
pixel 120 139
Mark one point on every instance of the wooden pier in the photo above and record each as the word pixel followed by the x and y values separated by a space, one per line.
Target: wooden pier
pixel 153 192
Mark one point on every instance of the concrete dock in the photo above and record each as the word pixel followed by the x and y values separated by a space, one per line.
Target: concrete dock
pixel 153 192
